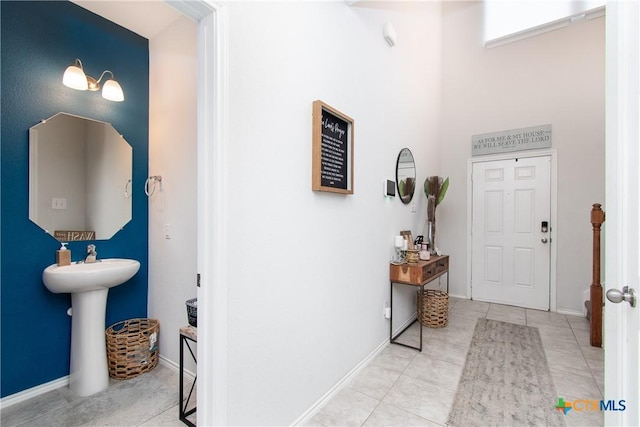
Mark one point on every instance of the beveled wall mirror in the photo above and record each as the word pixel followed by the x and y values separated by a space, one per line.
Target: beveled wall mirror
pixel 406 175
pixel 80 173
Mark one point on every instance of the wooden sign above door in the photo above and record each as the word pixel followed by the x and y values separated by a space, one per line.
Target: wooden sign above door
pixel 531 138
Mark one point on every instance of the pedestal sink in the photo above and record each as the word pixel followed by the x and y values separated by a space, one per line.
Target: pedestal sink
pixel 89 285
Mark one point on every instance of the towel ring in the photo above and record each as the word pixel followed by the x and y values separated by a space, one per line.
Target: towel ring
pixel 149 191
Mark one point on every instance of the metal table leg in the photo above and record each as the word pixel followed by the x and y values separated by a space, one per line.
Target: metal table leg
pixel 184 413
pixel 392 338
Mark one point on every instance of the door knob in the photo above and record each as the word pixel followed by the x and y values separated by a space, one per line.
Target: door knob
pixel 628 295
pixel 544 240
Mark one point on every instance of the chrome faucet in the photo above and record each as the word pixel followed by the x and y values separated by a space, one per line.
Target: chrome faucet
pixel 91 254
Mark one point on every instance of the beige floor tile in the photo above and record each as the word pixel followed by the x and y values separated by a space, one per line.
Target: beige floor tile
pixel 446 351
pixel 389 415
pixel 464 321
pixel 597 370
pixel 168 418
pixel 579 322
pixel 561 344
pixel 33 408
pixel 396 356
pixel 375 381
pixel 347 408
pixel 452 336
pixel 435 371
pixel 469 315
pixel 505 313
pixel 503 308
pixel 569 384
pixel 571 363
pixel 421 398
pixel 536 317
pixel 517 318
pixel 552 331
pixel 589 352
pixel 469 305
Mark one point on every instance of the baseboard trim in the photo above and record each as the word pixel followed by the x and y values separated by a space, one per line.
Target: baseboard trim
pixel 38 390
pixel 27 394
pixel 176 367
pixel 309 413
pixel 570 312
pixel 313 410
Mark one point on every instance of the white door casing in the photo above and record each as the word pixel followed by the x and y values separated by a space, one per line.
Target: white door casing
pixel 622 226
pixel 213 193
pixel 510 250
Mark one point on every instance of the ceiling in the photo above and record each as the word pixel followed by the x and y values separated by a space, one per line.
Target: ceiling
pixel 144 17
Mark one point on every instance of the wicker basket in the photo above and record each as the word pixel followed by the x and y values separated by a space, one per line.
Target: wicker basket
pixel 192 311
pixel 132 347
pixel 433 308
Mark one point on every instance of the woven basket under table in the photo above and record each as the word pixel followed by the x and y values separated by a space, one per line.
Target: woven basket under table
pixel 132 347
pixel 433 308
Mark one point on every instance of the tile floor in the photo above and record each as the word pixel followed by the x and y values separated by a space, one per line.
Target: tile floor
pixel 150 400
pixel 399 387
pixel 402 386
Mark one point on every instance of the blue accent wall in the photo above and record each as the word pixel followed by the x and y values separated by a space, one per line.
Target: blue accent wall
pixel 39 40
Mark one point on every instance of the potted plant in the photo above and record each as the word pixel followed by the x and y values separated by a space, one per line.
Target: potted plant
pixel 435 188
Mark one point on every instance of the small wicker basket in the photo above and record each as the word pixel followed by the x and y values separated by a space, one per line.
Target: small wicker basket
pixel 192 312
pixel 132 347
pixel 433 308
pixel 413 255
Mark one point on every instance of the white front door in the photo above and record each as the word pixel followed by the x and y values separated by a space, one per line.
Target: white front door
pixel 511 231
pixel 622 226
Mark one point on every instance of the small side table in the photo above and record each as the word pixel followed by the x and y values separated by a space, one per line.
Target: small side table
pixel 188 335
pixel 415 274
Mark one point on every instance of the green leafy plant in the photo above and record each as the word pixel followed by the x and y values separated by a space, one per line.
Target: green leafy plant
pixel 435 188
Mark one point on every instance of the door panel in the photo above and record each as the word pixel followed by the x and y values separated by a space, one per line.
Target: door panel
pixel 622 237
pixel 510 263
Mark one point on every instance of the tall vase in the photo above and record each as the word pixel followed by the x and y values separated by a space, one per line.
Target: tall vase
pixel 431 236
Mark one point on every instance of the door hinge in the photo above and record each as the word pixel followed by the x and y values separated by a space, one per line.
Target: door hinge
pixel 198 280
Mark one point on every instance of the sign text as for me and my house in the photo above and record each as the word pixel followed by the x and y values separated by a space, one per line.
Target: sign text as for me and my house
pixel 511 140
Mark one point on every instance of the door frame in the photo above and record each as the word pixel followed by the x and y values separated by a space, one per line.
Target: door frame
pixel 622 134
pixel 552 153
pixel 212 211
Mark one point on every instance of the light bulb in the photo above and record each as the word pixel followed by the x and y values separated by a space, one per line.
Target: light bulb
pixel 75 78
pixel 112 91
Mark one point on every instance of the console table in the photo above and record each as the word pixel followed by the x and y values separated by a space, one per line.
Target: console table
pixel 415 274
pixel 187 334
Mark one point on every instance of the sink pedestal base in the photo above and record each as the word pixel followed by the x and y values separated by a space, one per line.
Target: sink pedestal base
pixel 89 372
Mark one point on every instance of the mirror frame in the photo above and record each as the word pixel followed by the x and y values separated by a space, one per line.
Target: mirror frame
pixel 112 179
pixel 406 197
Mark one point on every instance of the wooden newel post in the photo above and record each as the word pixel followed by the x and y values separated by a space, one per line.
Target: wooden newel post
pixel 597 218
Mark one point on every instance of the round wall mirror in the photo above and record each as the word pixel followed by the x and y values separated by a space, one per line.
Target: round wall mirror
pixel 79 178
pixel 406 175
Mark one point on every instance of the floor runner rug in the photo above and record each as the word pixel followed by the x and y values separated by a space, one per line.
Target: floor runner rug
pixel 505 380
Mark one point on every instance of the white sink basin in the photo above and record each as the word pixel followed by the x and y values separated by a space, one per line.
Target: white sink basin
pixel 103 274
pixel 89 286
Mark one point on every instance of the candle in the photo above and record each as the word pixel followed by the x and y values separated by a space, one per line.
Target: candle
pixel 399 241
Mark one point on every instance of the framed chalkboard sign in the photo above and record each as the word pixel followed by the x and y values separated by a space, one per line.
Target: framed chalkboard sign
pixel 332 150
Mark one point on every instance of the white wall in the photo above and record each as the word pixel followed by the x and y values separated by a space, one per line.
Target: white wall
pixel 555 78
pixel 309 271
pixel 172 154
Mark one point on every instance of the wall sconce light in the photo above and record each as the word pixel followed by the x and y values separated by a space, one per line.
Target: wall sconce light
pixel 75 78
